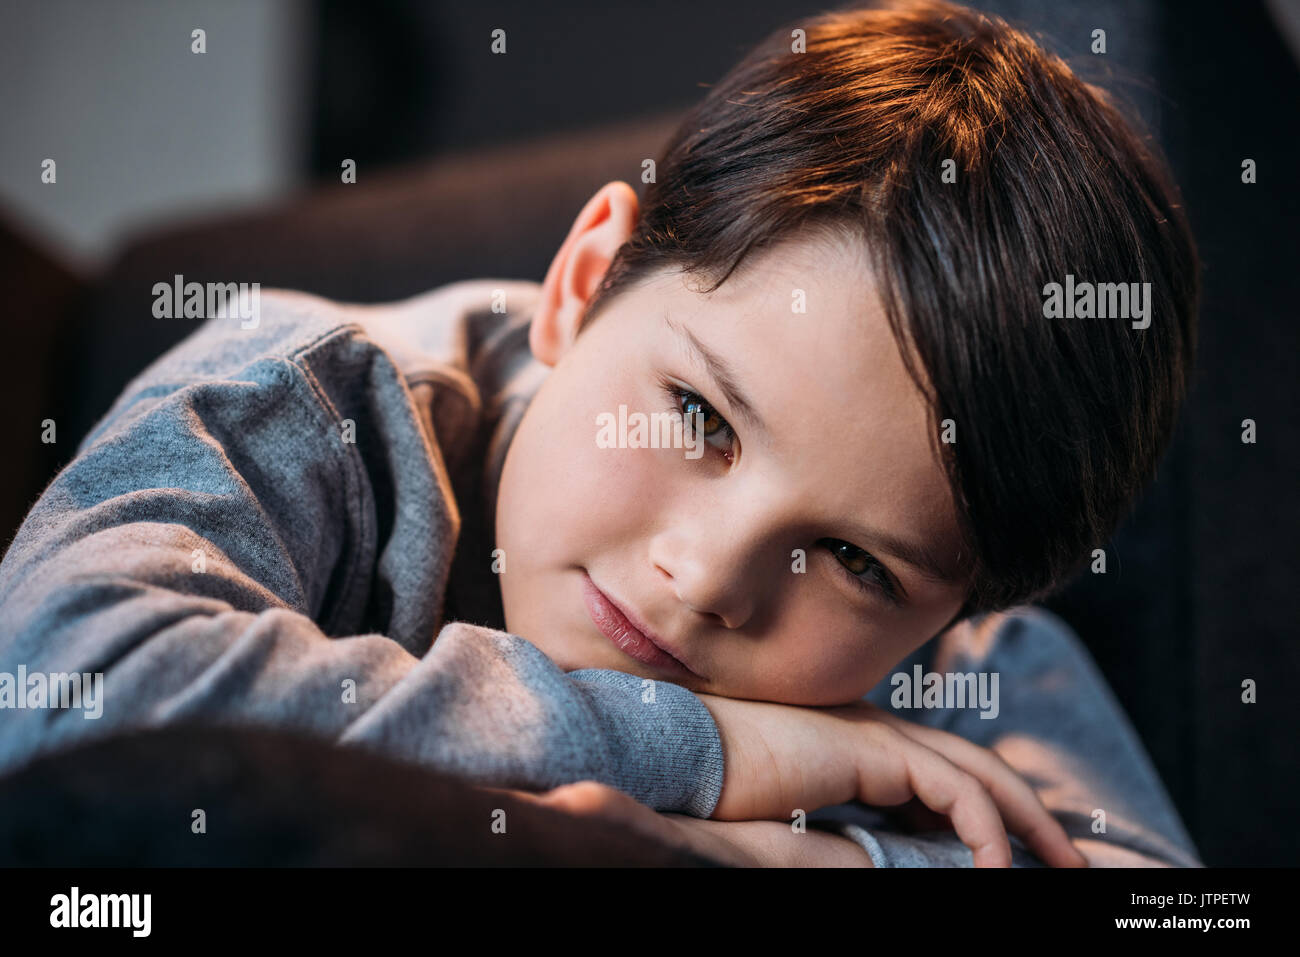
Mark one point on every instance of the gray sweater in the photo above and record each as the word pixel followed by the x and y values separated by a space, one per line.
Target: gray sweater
pixel 290 524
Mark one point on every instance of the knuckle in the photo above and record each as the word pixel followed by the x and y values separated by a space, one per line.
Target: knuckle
pixel 888 736
pixel 972 788
pixel 1000 765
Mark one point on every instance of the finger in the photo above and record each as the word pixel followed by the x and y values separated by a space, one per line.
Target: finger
pixel 942 786
pixel 593 799
pixel 532 797
pixel 579 797
pixel 733 843
pixel 1022 809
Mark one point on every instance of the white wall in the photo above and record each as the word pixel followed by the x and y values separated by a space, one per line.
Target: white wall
pixel 140 126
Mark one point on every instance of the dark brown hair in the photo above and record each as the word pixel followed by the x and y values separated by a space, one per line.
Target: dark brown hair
pixel 1059 422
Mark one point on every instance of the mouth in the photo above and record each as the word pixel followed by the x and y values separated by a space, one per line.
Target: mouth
pixel 616 625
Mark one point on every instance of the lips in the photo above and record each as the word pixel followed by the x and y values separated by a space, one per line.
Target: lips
pixel 615 625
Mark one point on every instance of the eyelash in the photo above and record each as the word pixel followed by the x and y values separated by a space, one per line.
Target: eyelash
pixel 676 394
pixel 878 584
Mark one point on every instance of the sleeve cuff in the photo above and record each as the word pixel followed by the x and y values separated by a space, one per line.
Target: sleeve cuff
pixel 669 753
pixel 861 837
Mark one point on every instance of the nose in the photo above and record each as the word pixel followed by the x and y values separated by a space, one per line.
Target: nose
pixel 702 595
pixel 720 566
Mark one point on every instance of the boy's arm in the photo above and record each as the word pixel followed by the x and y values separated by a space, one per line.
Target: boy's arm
pixel 219 552
pixel 1059 725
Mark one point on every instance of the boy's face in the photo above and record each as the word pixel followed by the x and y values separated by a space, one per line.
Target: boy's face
pixel 705 551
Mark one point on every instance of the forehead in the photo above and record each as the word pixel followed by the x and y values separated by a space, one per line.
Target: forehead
pixel 805 334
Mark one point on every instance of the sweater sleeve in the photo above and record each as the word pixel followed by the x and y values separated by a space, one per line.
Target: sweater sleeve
pixel 1059 725
pixel 491 707
pixel 259 533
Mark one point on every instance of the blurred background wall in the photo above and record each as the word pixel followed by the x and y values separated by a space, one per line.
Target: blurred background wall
pixel 112 90
pixel 141 128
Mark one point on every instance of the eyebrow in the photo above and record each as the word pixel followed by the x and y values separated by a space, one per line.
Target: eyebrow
pixel 920 557
pixel 722 374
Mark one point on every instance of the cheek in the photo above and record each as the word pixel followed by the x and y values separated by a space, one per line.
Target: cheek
pixel 564 498
pixel 836 672
pixel 827 655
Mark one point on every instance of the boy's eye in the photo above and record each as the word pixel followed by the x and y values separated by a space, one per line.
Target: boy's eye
pixel 688 403
pixel 865 570
pixel 861 566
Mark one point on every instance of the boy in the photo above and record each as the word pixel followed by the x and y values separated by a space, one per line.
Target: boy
pixel 837 282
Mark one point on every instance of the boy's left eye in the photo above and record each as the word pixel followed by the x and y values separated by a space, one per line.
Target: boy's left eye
pixel 863 567
pixel 687 403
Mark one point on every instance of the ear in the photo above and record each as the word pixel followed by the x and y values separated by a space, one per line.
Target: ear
pixel 605 223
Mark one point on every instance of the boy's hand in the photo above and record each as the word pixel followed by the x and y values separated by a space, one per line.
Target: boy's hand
pixel 782 757
pixel 592 798
pixel 734 843
pixel 775 843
